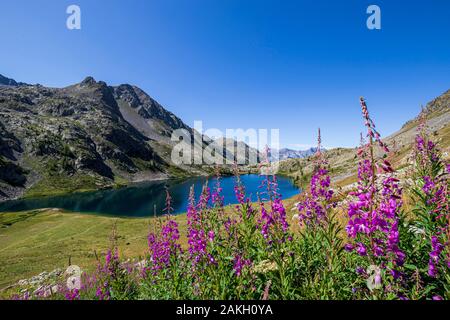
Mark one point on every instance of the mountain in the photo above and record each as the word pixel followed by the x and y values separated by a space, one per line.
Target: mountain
pixel 85 136
pixel 7 82
pixel 343 161
pixel 286 153
pixel 4 81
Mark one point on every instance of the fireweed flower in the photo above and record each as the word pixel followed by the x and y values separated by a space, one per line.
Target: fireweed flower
pixel 72 294
pixel 315 204
pixel 111 261
pixel 432 185
pixel 239 192
pixel 269 185
pixel 107 272
pixel 216 197
pixel 244 205
pixel 240 263
pixel 273 223
pixel 163 245
pixel 425 151
pixel 429 185
pixel 374 214
pixel 200 232
pixel 437 248
pixel 88 282
pixel 196 239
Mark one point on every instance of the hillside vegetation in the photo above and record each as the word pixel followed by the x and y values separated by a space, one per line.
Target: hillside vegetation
pixel 342 161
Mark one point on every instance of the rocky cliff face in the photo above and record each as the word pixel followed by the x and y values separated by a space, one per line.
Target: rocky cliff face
pixel 84 136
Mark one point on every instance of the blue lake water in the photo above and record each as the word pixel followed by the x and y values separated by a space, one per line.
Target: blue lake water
pixel 139 200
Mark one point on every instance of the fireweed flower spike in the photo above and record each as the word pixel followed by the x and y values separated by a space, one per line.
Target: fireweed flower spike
pixel 374 214
pixel 319 238
pixel 272 222
pixel 244 205
pixel 239 264
pixel 431 187
pixel 269 185
pixel 163 246
pixel 217 198
pixel 196 235
pixel 108 273
pixel 239 189
pixel 200 229
pixel 315 204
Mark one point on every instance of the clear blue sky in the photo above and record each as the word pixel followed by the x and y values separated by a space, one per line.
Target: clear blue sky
pixel 293 65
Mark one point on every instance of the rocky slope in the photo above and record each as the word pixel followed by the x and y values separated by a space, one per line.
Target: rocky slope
pixel 84 136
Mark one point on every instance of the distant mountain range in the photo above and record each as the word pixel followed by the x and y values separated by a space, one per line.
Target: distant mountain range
pixel 85 136
pixel 286 153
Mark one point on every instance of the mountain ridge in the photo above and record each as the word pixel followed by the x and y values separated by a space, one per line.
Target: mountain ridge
pixel 287 153
pixel 10 82
pixel 90 135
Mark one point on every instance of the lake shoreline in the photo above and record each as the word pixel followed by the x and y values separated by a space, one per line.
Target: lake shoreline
pixel 22 195
pixel 142 199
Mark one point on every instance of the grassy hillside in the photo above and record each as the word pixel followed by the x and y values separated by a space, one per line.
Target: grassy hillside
pixel 43 240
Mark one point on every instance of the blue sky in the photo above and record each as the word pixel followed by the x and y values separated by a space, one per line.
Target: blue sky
pixel 292 65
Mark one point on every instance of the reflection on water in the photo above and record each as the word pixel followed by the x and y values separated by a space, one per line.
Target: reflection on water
pixel 139 200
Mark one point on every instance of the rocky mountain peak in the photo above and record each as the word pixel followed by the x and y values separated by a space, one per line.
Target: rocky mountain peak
pixel 7 81
pixel 88 81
